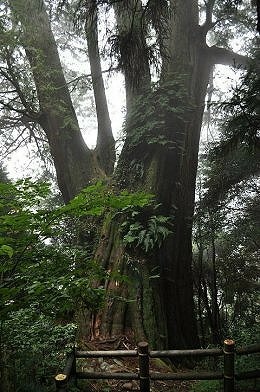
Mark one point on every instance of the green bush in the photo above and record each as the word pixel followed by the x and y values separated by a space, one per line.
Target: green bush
pixel 34 346
pixel 46 276
pixel 207 386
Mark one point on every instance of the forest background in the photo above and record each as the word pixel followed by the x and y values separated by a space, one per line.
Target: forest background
pixel 122 247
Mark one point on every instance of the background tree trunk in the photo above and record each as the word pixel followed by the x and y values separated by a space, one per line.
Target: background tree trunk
pixel 105 148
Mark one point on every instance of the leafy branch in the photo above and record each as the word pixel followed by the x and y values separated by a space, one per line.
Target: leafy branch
pixel 145 232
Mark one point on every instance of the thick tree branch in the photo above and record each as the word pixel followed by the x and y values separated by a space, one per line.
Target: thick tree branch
pixel 74 162
pixel 209 24
pixel 226 57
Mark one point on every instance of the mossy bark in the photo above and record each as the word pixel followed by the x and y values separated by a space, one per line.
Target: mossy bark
pixel 133 296
pixel 161 309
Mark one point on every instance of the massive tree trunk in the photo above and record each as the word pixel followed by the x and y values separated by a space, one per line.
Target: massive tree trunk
pixel 159 155
pixel 74 162
pixel 164 305
pixel 161 308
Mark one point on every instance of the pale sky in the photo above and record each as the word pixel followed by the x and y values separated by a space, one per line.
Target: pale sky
pixel 20 165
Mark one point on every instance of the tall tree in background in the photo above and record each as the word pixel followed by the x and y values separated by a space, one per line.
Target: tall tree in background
pixel 159 155
pixel 226 228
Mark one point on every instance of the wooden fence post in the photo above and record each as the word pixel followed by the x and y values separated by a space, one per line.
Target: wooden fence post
pixel 61 381
pixel 71 367
pixel 229 370
pixel 74 368
pixel 143 355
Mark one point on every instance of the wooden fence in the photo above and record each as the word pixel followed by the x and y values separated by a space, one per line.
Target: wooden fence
pixel 144 376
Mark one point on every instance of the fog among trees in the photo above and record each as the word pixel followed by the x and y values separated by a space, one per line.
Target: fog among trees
pixel 123 249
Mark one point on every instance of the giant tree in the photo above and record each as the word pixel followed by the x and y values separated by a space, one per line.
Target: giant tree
pixel 160 151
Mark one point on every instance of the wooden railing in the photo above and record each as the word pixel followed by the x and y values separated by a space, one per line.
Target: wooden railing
pixel 144 376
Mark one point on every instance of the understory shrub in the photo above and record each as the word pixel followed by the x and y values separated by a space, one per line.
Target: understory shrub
pixel 33 349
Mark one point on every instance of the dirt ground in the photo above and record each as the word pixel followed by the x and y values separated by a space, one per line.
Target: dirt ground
pixel 130 365
pixel 123 365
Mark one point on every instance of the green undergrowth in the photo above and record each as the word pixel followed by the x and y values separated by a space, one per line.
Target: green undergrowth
pixel 47 275
pixel 208 386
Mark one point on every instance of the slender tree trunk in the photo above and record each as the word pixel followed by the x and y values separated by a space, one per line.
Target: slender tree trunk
pixel 216 330
pixel 105 147
pixel 207 306
pixel 199 273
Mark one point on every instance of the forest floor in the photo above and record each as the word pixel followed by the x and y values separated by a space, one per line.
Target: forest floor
pixel 124 365
pixel 130 365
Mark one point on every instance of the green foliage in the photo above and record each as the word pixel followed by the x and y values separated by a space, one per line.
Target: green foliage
pixel 46 276
pixel 144 231
pixel 96 199
pixel 149 122
pixel 234 158
pixel 226 256
pixel 235 18
pixel 44 268
pixel 226 230
pixel 243 337
pixel 207 386
pixel 35 346
pixel 6 250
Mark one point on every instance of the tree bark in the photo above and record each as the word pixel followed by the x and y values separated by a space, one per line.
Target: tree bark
pixel 74 161
pixel 105 147
pixel 132 49
pixel 165 304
